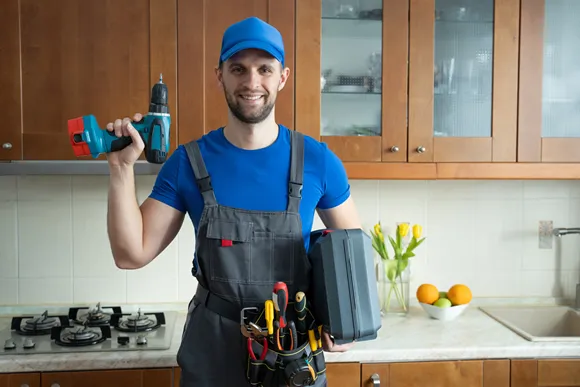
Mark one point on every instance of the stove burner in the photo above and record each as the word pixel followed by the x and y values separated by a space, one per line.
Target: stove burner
pixel 38 325
pixel 137 322
pixel 80 336
pixel 94 317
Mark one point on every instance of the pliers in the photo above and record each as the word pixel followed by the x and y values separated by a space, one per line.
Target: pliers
pixel 264 350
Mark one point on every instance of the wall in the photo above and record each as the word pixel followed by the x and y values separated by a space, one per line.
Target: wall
pixel 54 246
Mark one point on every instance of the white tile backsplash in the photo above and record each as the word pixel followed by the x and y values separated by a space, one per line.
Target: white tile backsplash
pixel 54 246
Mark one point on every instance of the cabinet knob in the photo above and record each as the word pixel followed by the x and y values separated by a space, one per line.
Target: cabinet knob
pixel 420 149
pixel 6 145
pixel 394 149
pixel 376 380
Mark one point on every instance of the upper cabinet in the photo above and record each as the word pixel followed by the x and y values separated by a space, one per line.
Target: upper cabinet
pixel 398 89
pixel 549 98
pixel 351 70
pixel 463 80
pixel 68 58
pixel 409 80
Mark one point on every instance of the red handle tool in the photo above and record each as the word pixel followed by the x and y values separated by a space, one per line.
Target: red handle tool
pixel 280 298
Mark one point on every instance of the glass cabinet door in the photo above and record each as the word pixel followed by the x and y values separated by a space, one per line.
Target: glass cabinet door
pixel 463 57
pixel 550 70
pixel 351 70
pixel 463 68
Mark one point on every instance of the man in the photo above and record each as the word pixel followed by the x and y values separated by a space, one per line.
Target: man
pixel 240 185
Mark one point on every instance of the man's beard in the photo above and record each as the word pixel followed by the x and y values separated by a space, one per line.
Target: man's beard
pixel 256 115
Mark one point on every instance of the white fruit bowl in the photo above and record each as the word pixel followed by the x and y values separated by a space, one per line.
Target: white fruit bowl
pixel 445 314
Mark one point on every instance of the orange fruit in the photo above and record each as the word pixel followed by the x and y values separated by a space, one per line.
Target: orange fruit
pixel 427 294
pixel 459 294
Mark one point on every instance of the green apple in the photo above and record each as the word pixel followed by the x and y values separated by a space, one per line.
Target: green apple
pixel 443 303
pixel 442 294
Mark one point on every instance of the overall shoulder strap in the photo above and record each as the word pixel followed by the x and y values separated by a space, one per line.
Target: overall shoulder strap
pixel 201 176
pixel 296 170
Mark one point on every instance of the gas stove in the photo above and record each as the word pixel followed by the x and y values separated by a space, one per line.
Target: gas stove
pixel 84 329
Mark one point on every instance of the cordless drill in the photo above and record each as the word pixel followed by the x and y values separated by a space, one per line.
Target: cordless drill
pixel 88 139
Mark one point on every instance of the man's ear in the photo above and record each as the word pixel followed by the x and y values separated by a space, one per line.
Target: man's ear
pixel 283 78
pixel 219 75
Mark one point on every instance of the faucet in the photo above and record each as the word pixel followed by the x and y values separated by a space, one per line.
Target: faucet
pixel 565 231
pixel 559 232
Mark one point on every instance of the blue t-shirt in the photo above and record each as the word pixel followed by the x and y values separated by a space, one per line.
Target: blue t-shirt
pixel 254 179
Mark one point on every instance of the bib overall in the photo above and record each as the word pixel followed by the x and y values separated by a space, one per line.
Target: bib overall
pixel 241 254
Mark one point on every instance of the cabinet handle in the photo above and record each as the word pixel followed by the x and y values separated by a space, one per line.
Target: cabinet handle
pixel 55 385
pixel 420 149
pixel 394 149
pixel 376 380
pixel 24 385
pixel 6 145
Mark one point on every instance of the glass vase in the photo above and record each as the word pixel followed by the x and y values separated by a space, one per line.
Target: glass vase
pixel 394 291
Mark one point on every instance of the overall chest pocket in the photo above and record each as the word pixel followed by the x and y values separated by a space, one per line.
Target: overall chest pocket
pixel 229 245
pixel 240 254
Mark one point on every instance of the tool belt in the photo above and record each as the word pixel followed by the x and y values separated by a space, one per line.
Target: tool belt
pixel 284 357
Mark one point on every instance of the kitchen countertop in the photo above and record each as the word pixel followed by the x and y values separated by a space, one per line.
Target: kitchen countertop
pixel 474 335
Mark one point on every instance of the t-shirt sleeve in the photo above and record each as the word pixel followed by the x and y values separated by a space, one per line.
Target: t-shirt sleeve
pixel 166 187
pixel 335 181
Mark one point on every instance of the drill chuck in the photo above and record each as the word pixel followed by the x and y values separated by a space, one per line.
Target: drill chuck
pixel 87 138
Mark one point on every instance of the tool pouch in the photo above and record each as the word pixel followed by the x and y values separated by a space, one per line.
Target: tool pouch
pixel 301 366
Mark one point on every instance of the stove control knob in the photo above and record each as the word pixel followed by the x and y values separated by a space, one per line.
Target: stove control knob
pixel 123 340
pixel 9 344
pixel 28 343
pixel 141 340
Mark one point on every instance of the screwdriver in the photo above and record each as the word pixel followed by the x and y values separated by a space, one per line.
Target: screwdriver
pixel 269 312
pixel 300 308
pixel 280 298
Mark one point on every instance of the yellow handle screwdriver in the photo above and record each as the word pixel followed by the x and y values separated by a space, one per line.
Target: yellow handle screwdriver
pixel 269 312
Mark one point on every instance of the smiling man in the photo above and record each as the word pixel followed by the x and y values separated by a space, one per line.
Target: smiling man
pixel 251 189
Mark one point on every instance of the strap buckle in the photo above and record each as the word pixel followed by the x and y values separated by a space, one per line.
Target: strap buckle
pixel 204 184
pixel 295 190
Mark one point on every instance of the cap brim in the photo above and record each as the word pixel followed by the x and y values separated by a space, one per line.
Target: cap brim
pixel 270 49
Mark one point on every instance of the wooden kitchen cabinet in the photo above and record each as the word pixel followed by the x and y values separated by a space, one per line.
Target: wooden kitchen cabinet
pixel 68 58
pixel 549 82
pixel 10 130
pixel 111 378
pixel 463 89
pixel 545 373
pixel 468 373
pixel 31 379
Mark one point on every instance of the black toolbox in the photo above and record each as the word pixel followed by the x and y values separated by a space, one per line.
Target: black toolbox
pixel 343 295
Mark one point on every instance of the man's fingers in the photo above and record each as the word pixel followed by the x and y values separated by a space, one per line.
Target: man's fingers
pixel 135 136
pixel 117 127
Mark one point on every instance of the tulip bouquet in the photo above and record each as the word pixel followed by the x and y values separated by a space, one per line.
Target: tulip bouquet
pixel 394 267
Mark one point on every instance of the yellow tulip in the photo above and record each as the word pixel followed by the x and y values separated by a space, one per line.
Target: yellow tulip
pixel 417 231
pixel 403 229
pixel 378 229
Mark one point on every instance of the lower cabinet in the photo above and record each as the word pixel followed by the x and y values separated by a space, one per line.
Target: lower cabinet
pixel 460 373
pixel 31 379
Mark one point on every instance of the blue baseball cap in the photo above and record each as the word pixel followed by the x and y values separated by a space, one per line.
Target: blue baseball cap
pixel 252 33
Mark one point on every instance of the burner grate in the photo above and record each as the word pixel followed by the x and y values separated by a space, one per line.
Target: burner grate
pixel 93 317
pixel 80 336
pixel 139 322
pixel 38 325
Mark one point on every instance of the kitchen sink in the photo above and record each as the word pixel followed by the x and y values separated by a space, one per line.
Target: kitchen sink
pixel 539 323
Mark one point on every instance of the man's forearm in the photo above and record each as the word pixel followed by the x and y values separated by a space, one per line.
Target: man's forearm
pixel 124 219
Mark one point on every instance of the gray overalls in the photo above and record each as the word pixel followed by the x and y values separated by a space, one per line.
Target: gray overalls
pixel 241 254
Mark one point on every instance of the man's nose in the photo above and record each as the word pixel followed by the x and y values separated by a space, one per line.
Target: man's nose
pixel 253 79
